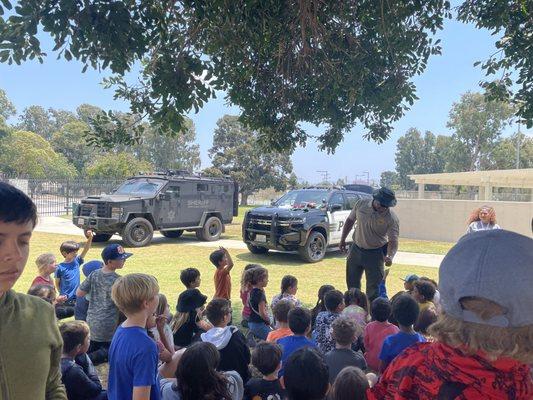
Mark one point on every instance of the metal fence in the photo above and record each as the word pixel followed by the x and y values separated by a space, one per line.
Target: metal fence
pixel 54 197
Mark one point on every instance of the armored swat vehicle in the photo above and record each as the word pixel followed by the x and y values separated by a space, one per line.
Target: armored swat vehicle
pixel 305 220
pixel 170 202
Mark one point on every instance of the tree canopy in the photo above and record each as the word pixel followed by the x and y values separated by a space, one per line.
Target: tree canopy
pixel 329 63
pixel 27 153
pixel 236 151
pixel 118 165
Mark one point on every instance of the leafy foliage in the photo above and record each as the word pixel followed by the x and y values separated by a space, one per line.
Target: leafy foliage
pixel 329 63
pixel 512 64
pixel 119 165
pixel 478 124
pixel 70 142
pixel 44 122
pixel 236 151
pixel 26 153
pixel 389 179
pixel 7 109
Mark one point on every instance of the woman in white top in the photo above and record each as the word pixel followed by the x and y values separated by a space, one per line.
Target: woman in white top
pixel 482 219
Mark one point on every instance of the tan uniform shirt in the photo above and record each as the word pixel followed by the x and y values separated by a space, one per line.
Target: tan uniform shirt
pixel 373 230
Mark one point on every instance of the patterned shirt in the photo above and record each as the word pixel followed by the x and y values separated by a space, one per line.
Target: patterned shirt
pixel 322 333
pixel 102 315
pixel 437 371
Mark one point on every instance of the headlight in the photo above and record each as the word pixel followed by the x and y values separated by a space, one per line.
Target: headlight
pixel 116 212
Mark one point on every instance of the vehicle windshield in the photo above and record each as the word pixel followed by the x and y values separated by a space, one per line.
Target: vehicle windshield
pixel 303 198
pixel 141 186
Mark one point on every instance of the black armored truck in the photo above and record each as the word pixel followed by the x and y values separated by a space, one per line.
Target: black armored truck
pixel 170 202
pixel 308 220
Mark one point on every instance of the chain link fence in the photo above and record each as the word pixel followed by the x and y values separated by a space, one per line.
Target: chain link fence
pixel 54 196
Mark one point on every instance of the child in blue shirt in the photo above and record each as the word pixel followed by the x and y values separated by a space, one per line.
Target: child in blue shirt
pixel 405 310
pixel 133 355
pixel 68 272
pixel 300 325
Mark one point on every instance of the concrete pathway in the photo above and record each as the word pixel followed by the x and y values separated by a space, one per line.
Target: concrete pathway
pixel 65 226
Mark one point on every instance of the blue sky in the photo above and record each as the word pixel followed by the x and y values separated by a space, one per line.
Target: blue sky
pixel 60 84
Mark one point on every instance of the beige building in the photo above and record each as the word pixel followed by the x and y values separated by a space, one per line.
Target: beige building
pixel 445 220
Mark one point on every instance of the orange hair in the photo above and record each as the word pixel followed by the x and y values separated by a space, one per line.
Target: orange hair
pixel 474 216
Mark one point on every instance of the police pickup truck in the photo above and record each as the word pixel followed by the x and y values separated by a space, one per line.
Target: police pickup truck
pixel 170 202
pixel 306 220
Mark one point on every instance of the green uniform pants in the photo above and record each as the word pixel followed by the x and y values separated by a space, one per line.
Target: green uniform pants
pixel 371 262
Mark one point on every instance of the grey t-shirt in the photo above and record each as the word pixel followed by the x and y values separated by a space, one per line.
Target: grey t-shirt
pixel 337 359
pixel 102 315
pixel 235 387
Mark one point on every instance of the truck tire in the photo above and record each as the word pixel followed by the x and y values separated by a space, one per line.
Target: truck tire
pixel 211 231
pixel 101 237
pixel 172 234
pixel 138 232
pixel 314 249
pixel 256 249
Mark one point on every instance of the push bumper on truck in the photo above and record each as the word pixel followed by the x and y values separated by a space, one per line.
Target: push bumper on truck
pixel 273 232
pixel 88 216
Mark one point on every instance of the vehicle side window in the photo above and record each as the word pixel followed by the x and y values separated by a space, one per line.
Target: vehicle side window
pixel 351 199
pixel 226 188
pixel 337 198
pixel 174 191
pixel 202 187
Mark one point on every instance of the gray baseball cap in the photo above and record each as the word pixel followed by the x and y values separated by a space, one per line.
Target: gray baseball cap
pixel 496 265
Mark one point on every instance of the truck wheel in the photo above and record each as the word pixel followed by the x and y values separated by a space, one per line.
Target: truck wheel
pixel 256 249
pixel 138 232
pixel 102 237
pixel 172 234
pixel 211 231
pixel 314 249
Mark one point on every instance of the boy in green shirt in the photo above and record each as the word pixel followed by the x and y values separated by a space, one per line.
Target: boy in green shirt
pixel 30 343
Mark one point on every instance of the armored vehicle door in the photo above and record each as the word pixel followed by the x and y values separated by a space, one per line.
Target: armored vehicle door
pixel 337 214
pixel 169 205
pixel 195 200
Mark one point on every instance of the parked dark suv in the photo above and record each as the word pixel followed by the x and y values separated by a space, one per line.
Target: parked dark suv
pixel 170 202
pixel 305 220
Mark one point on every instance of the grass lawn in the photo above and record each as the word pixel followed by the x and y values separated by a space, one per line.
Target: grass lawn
pixel 165 258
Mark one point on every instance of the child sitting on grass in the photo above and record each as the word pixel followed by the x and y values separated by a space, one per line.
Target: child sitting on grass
pixel 482 340
pixel 306 375
pixel 266 358
pixel 81 383
pixel 319 307
pixel 334 302
pixel 356 306
pixel 289 287
pixel 300 325
pixel 222 261
pixel 351 384
pixel 246 288
pixel 423 293
pixel 344 331
pixel 67 273
pixel 259 321
pixel 187 322
pixel 377 330
pixel 196 377
pixel 133 355
pixel 281 314
pixel 405 310
pixel 229 341
pixel 162 332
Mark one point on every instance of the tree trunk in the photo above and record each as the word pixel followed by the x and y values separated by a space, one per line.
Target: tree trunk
pixel 244 199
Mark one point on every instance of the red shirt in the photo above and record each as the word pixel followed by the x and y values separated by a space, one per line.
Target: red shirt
pixel 222 284
pixel 41 281
pixel 429 371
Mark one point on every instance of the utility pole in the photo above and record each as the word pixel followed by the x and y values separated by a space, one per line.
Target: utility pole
pixel 518 140
pixel 367 177
pixel 325 175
